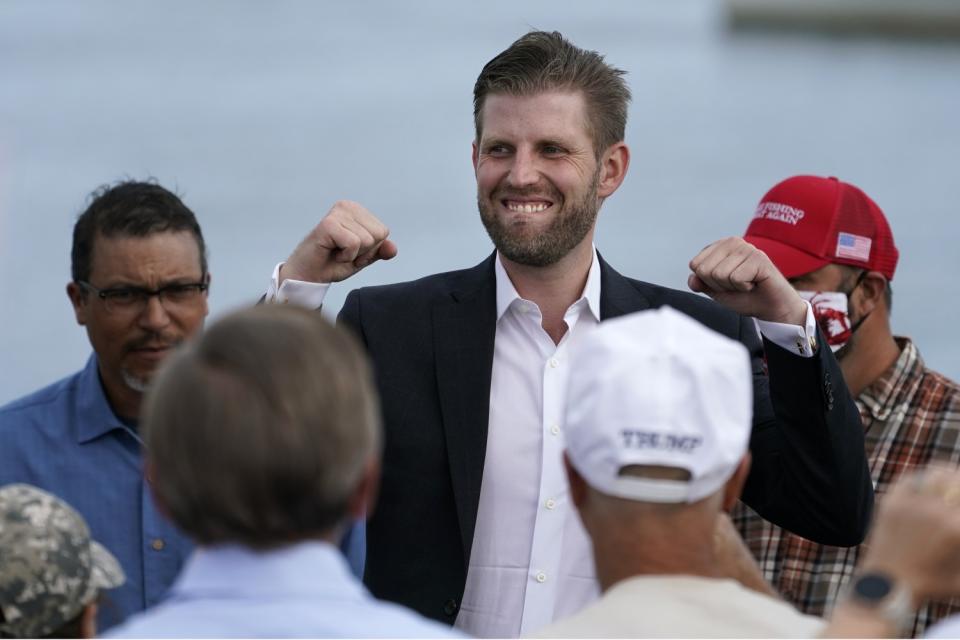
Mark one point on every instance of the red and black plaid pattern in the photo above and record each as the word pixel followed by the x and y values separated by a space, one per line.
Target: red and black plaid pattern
pixel 911 417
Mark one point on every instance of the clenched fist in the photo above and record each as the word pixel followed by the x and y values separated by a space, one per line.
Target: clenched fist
pixel 347 239
pixel 741 277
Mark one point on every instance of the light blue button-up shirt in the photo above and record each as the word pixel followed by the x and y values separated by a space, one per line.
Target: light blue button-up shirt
pixel 303 590
pixel 66 439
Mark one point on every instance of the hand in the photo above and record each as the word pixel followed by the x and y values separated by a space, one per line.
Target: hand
pixel 916 535
pixel 348 239
pixel 741 277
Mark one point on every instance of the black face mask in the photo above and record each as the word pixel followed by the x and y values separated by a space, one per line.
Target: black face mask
pixel 843 351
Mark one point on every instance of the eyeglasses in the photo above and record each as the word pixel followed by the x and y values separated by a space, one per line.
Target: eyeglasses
pixel 134 299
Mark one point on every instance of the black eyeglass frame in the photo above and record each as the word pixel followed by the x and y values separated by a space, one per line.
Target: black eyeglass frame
pixel 111 295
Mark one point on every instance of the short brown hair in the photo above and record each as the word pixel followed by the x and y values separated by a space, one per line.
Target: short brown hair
pixel 545 61
pixel 260 430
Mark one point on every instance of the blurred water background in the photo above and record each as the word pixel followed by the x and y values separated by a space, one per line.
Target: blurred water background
pixel 262 114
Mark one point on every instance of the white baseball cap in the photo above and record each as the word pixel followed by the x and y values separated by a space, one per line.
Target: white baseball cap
pixel 657 388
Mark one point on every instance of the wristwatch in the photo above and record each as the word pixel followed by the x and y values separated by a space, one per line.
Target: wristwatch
pixel 880 593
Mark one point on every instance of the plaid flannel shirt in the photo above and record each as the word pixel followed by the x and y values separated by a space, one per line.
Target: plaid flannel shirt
pixel 911 417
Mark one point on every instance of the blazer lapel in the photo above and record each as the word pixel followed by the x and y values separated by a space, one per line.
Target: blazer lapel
pixel 618 296
pixel 464 327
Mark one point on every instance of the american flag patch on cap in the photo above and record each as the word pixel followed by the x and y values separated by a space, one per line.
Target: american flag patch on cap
pixel 853 247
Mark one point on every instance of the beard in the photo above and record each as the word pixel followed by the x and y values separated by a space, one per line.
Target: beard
pixel 534 247
pixel 140 381
pixel 134 382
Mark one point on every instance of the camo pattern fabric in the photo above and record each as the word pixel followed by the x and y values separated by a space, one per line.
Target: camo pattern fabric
pixel 49 567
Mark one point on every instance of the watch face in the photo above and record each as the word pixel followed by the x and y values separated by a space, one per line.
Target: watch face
pixel 873 587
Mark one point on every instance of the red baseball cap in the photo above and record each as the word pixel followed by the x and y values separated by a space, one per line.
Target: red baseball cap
pixel 806 222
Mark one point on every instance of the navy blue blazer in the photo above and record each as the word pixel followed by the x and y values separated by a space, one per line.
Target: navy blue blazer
pixel 431 341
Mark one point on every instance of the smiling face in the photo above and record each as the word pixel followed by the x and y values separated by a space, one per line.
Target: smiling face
pixel 539 183
pixel 131 345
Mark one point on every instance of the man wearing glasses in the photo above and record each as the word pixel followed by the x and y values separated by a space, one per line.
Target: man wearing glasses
pixel 139 286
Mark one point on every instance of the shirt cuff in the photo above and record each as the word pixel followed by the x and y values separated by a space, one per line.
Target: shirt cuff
pixel 298 292
pixel 792 337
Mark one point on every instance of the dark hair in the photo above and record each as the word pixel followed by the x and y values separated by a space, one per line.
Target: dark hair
pixel 543 61
pixel 260 430
pixel 130 208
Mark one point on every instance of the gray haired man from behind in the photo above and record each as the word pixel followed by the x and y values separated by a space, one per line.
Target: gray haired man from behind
pixel 656 450
pixel 51 572
pixel 263 445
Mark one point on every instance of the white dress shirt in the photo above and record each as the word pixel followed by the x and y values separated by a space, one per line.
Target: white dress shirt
pixel 531 561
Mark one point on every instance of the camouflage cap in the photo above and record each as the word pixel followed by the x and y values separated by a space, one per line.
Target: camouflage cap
pixel 49 567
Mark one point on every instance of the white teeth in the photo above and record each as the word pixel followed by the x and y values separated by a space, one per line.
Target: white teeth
pixel 527 207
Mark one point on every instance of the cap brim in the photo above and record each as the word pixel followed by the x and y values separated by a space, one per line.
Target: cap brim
pixel 106 571
pixel 790 261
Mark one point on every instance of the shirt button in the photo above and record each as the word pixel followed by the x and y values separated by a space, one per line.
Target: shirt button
pixel 555 429
pixel 550 503
pixel 554 363
pixel 541 577
pixel 158 544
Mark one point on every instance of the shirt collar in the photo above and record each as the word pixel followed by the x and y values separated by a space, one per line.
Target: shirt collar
pixel 95 417
pixel 507 294
pixel 897 384
pixel 312 568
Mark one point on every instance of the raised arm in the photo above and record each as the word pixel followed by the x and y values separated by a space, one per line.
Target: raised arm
pixel 810 473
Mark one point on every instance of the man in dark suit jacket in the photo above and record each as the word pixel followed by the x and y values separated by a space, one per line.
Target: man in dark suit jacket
pixel 550 126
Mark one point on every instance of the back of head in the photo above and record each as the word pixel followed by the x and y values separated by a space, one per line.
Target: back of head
pixel 543 61
pixel 130 208
pixel 659 408
pixel 806 222
pixel 260 430
pixel 50 569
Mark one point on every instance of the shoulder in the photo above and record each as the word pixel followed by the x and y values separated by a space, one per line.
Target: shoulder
pixel 31 428
pixel 940 386
pixel 426 288
pixel 924 388
pixel 409 304
pixel 698 307
pixel 229 616
pixel 38 405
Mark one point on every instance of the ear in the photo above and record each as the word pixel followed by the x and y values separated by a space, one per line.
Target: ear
pixel 613 168
pixel 88 621
pixel 578 486
pixel 734 486
pixel 871 291
pixel 364 497
pixel 78 298
pixel 475 156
